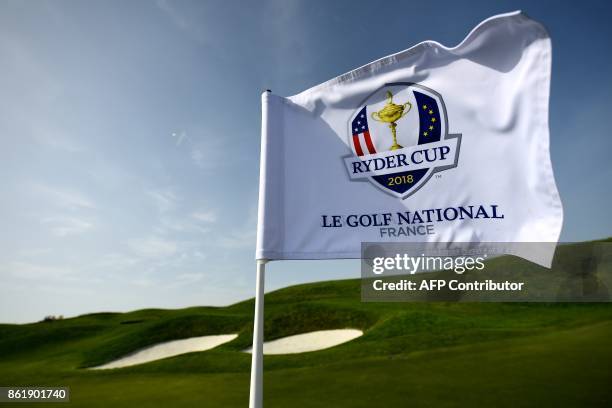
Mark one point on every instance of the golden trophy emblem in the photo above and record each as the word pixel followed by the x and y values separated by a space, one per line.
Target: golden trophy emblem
pixel 390 114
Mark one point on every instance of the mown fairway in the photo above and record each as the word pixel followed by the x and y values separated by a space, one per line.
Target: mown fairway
pixel 412 354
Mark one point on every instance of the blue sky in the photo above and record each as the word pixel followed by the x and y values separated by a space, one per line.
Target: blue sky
pixel 129 135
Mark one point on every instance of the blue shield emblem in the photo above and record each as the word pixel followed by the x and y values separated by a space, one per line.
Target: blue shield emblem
pixel 399 138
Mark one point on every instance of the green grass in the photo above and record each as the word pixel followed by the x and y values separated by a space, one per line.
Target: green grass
pixel 422 354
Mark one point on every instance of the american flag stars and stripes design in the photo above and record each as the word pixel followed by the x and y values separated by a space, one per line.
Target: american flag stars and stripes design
pixel 362 141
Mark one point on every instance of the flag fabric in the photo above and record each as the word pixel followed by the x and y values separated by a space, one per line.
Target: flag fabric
pixel 432 144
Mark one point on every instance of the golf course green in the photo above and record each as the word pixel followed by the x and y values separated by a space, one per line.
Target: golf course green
pixel 417 354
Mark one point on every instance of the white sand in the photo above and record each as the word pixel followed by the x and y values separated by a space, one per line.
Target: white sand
pixel 169 349
pixel 312 341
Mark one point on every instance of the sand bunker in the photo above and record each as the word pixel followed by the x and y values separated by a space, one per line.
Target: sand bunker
pixel 299 343
pixel 312 341
pixel 169 349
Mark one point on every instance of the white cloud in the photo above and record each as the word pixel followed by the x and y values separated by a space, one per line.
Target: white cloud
pixel 205 216
pixel 184 21
pixel 32 271
pixel 244 236
pixel 43 133
pixel 207 153
pixel 63 198
pixel 174 15
pixel 180 137
pixel 153 247
pixel 199 254
pixel 164 199
pixel 116 261
pixel 143 281
pixel 198 157
pixel 33 252
pixel 289 38
pixel 63 226
pixel 178 224
pixel 187 278
pixel 238 239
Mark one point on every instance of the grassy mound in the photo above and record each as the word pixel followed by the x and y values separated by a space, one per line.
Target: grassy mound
pixel 418 354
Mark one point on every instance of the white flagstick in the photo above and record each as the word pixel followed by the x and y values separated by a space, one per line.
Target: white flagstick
pixel 256 394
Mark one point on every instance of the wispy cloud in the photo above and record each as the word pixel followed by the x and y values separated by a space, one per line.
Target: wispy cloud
pixel 289 38
pixel 187 278
pixel 43 132
pixel 33 271
pixel 63 226
pixel 173 13
pixel 238 239
pixel 153 247
pixel 180 137
pixel 33 252
pixel 173 224
pixel 66 211
pixel 244 236
pixel 116 261
pixel 198 157
pixel 63 198
pixel 208 154
pixel 205 152
pixel 164 199
pixel 182 20
pixel 205 216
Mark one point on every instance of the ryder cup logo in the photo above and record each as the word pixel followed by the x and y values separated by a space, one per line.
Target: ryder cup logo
pixel 399 138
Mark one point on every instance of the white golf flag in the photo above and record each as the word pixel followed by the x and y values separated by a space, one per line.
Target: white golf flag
pixel 433 144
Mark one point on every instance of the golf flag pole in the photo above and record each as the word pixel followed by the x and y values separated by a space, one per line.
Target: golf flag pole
pixel 256 393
